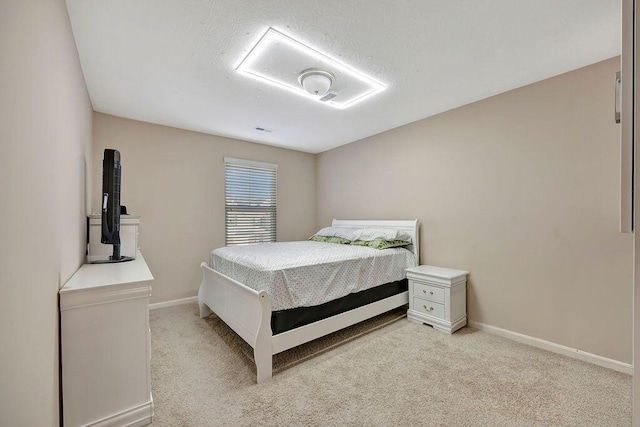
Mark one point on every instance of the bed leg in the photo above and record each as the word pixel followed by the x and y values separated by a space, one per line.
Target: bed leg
pixel 263 365
pixel 263 349
pixel 204 310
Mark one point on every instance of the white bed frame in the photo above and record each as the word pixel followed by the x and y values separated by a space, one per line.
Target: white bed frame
pixel 248 312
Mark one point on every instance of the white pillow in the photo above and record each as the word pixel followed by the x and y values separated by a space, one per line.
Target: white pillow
pixel 344 233
pixel 370 234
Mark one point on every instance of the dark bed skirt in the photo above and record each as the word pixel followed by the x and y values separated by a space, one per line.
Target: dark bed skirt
pixel 285 320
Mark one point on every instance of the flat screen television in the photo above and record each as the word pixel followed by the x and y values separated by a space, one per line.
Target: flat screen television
pixel 111 177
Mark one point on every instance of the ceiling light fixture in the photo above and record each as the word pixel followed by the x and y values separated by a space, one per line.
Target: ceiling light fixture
pixel 316 82
pixel 284 62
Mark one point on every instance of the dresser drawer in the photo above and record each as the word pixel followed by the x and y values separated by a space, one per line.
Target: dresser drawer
pixel 432 293
pixel 428 307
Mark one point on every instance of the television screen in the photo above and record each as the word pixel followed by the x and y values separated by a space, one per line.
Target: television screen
pixel 111 176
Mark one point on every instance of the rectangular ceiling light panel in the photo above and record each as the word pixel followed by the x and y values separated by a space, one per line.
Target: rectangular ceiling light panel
pixel 278 59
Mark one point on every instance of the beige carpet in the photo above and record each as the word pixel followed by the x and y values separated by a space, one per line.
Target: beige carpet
pixel 392 373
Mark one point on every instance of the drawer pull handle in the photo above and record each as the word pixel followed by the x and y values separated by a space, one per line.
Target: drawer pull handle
pixel 428 309
pixel 430 292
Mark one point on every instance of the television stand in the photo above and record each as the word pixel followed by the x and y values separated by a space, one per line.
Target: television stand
pixel 111 260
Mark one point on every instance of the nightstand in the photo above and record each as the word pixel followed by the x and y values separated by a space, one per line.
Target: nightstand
pixel 438 297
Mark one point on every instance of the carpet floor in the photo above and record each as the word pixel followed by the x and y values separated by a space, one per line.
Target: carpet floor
pixel 386 371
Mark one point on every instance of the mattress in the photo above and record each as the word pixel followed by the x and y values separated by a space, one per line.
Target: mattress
pixel 305 274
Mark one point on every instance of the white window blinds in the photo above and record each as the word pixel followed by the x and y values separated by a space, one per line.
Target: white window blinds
pixel 250 201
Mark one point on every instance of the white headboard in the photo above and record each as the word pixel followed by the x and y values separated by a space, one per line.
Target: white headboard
pixel 410 226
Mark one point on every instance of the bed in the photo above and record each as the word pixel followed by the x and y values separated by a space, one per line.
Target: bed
pixel 243 289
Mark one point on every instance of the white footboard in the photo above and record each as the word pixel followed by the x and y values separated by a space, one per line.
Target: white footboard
pixel 245 310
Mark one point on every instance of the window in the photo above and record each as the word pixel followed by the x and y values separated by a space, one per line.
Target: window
pixel 250 201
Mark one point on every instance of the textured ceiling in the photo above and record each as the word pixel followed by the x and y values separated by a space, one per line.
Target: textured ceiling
pixel 172 62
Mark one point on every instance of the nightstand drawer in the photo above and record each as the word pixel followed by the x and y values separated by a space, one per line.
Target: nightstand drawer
pixel 432 293
pixel 428 307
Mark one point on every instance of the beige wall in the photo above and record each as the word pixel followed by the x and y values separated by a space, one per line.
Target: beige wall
pixel 521 190
pixel 45 138
pixel 174 179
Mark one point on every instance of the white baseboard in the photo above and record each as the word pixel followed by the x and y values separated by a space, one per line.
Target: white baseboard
pixel 556 348
pixel 171 303
pixel 140 415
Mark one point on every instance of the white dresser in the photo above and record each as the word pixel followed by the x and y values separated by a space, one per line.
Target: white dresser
pixel 438 297
pixel 106 345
